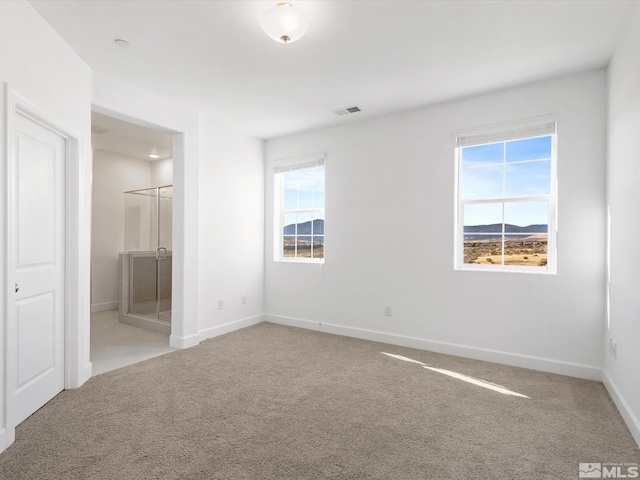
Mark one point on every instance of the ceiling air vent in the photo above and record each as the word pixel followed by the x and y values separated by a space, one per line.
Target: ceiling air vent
pixel 347 110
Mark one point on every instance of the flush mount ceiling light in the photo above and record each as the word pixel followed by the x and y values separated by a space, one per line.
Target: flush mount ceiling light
pixel 153 155
pixel 284 23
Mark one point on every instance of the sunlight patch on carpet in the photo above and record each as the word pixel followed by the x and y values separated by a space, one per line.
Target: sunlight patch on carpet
pixel 459 376
pixel 475 381
pixel 404 359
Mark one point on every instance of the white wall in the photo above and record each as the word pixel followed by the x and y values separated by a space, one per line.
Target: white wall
pixel 390 181
pixel 113 175
pixel 623 178
pixel 231 228
pixel 162 172
pixel 126 102
pixel 37 64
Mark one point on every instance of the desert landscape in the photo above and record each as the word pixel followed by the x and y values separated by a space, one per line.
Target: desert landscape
pixel 310 237
pixel 305 248
pixel 529 251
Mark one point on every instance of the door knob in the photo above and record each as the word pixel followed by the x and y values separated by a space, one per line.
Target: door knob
pixel 17 288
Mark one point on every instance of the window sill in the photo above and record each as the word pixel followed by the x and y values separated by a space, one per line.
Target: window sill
pixel 507 269
pixel 316 261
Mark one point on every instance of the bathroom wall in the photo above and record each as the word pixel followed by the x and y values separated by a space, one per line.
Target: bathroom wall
pixel 162 175
pixel 162 172
pixel 113 174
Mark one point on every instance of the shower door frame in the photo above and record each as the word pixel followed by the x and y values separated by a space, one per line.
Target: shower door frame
pixel 159 257
pixel 137 319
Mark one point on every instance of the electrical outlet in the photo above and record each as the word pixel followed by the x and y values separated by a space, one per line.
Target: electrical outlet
pixel 220 303
pixel 387 310
pixel 244 299
pixel 613 348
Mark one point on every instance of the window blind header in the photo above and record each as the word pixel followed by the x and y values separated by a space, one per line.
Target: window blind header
pixel 316 162
pixel 547 128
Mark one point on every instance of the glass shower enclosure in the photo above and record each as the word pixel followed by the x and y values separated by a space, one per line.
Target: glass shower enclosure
pixel 146 262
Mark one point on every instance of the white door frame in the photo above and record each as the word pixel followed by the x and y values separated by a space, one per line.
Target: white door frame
pixel 177 339
pixel 15 104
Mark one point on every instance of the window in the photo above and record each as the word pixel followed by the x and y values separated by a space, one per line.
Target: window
pixel 299 202
pixel 506 200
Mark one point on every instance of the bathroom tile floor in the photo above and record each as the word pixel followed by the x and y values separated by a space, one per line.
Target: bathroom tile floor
pixel 116 345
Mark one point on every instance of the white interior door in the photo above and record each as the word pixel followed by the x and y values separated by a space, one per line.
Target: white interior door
pixel 37 257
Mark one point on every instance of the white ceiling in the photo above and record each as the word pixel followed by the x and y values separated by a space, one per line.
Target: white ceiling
pixel 383 56
pixel 124 138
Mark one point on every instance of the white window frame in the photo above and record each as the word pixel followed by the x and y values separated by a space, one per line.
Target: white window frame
pixel 282 166
pixel 540 127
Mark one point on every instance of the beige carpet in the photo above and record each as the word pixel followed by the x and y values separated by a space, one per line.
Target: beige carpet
pixel 273 402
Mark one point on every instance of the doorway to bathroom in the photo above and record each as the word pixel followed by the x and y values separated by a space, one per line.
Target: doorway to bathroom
pixel 131 252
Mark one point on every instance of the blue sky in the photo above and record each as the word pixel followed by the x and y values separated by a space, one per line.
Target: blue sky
pixel 515 168
pixel 515 150
pixel 303 189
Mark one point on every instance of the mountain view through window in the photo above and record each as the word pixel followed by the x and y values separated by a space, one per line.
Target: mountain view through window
pixel 303 196
pixel 505 199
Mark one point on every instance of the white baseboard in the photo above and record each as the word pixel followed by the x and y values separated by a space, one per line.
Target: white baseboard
pixel 588 372
pixel 3 440
pixel 103 307
pixel 230 327
pixel 623 407
pixel 184 342
pixel 86 373
pixel 193 340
